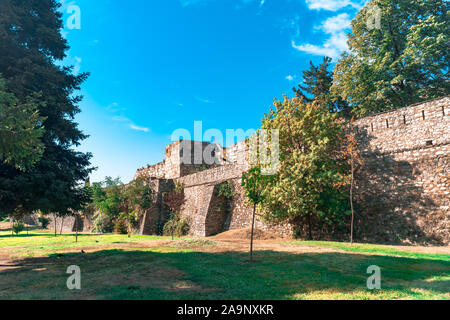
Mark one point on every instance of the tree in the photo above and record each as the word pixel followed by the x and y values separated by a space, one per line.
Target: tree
pixel 107 198
pixel 310 170
pixel 31 45
pixel 317 84
pixel 405 61
pixel 20 131
pixel 174 201
pixel 254 183
pixel 352 155
pixel 136 200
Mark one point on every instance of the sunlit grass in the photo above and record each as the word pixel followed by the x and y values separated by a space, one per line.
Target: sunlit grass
pixel 179 270
pixel 370 248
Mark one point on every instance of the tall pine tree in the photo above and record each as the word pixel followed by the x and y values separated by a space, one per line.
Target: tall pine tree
pixel 317 82
pixel 30 45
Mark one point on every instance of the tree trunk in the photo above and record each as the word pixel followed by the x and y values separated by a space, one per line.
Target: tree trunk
pixel 54 218
pixel 62 223
pixel 129 228
pixel 310 237
pixel 351 201
pixel 253 228
pixel 76 229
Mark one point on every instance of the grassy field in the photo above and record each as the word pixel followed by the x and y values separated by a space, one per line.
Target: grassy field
pixel 143 267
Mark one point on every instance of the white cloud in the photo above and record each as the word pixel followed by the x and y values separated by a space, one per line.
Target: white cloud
pixel 332 5
pixel 203 100
pixel 336 43
pixel 290 78
pixel 114 107
pixel 77 65
pixel 187 3
pixel 137 128
pixel 336 24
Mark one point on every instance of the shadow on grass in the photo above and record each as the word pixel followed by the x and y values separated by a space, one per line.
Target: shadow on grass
pixel 164 273
pixel 45 233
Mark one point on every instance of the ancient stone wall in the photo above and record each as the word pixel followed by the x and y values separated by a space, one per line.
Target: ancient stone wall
pixel 403 190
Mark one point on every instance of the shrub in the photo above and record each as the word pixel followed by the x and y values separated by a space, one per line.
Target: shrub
pixel 18 227
pixel 120 227
pixel 176 226
pixel 226 190
pixel 44 222
pixel 102 223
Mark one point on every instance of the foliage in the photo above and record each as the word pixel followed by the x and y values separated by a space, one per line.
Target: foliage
pixel 310 176
pixel 20 131
pixel 176 226
pixel 175 199
pixel 117 204
pixel 318 81
pixel 120 226
pixel 226 190
pixel 31 51
pixel 44 222
pixel 106 197
pixel 403 62
pixel 18 227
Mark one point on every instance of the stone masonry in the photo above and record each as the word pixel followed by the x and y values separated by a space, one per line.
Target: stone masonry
pixel 403 189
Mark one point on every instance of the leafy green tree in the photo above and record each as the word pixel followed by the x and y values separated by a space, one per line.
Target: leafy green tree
pixel 311 172
pixel 404 61
pixel 137 198
pixel 20 131
pixel 254 184
pixel 174 200
pixel 317 84
pixel 107 198
pixel 31 49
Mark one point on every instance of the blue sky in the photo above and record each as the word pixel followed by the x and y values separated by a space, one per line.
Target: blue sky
pixel 159 65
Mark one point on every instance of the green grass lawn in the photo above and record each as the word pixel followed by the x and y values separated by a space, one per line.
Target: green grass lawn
pixel 175 271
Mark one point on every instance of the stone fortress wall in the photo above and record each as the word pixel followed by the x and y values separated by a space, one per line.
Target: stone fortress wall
pixel 404 184
pixel 402 192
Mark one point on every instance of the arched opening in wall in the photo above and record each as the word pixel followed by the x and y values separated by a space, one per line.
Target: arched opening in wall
pixel 219 214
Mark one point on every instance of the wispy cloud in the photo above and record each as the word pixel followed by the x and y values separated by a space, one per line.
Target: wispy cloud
pixel 332 5
pixel 187 3
pixel 336 43
pixel 137 128
pixel 114 107
pixel 203 100
pixel 290 78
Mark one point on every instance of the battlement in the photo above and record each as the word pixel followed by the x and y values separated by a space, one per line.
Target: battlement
pixel 186 157
pixel 418 126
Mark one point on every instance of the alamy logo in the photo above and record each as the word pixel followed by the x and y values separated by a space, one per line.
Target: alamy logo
pixel 263 147
pixel 74 281
pixel 374 281
pixel 374 18
pixel 74 20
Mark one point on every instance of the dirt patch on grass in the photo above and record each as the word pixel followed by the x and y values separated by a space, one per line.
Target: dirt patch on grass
pixel 245 234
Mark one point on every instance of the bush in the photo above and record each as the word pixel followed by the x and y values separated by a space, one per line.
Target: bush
pixel 176 227
pixel 226 190
pixel 102 223
pixel 120 227
pixel 18 227
pixel 44 222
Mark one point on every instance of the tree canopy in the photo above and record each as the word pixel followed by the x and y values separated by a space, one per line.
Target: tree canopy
pixel 404 61
pixel 20 131
pixel 31 45
pixel 310 171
